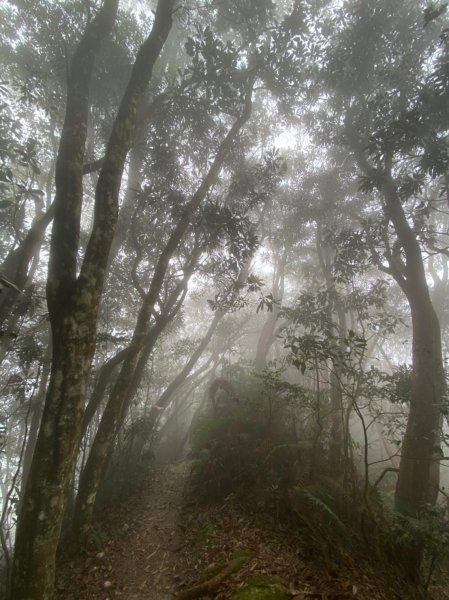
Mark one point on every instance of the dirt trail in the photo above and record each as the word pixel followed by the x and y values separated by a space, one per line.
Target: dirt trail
pixel 137 561
pixel 158 543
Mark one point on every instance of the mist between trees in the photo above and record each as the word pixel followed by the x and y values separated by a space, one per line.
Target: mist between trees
pixel 222 210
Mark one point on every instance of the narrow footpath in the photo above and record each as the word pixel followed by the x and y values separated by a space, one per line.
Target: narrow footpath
pixel 137 549
pixel 163 545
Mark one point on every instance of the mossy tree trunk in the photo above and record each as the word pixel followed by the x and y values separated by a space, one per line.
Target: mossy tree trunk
pixel 73 300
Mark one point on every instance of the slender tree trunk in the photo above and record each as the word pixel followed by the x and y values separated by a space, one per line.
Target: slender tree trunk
pixel 339 434
pixel 111 420
pixel 166 396
pixel 122 390
pixel 267 335
pixel 104 379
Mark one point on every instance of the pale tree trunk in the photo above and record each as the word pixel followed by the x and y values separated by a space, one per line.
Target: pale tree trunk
pixel 167 395
pixel 267 335
pixel 419 470
pixel 176 396
pixel 73 300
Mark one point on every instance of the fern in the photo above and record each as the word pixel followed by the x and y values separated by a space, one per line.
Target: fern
pixel 320 499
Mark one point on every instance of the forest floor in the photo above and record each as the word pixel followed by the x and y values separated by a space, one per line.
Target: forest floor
pixel 159 542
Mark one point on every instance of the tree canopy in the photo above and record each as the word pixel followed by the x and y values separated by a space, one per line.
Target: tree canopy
pixel 224 236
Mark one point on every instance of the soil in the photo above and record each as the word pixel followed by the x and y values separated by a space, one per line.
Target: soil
pixel 137 550
pixel 160 542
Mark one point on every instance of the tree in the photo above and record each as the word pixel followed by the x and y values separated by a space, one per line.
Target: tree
pixel 387 154
pixel 73 298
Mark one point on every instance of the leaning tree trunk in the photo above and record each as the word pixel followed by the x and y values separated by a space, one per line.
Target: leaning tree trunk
pixel 116 408
pixel 74 300
pixel 167 395
pixel 119 400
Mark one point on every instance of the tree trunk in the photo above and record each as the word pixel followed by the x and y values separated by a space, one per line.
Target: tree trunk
pixel 17 264
pixel 267 335
pixel 102 382
pixel 120 396
pixel 111 420
pixel 418 480
pixel 419 471
pixel 166 396
pixel 339 433
pixel 74 300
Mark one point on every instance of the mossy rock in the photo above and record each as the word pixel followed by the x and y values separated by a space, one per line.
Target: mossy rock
pixel 262 588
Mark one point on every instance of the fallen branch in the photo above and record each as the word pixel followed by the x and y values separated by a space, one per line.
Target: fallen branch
pixel 204 587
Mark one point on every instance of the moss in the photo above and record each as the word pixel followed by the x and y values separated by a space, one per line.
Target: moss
pixel 241 553
pixel 262 588
pixel 265 581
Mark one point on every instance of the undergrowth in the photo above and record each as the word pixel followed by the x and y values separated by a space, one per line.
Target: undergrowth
pixel 249 445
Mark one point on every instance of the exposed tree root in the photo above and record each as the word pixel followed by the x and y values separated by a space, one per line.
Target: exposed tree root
pixel 211 584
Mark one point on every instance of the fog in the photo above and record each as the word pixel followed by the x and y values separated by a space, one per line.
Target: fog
pixel 224 245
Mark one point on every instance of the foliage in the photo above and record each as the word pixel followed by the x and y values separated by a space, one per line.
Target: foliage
pixel 315 504
pixel 356 94
pixel 429 532
pixel 247 440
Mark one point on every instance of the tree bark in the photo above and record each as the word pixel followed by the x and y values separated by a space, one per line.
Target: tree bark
pixel 73 300
pixel 419 470
pixel 339 433
pixel 123 388
pixel 101 384
pixel 112 418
